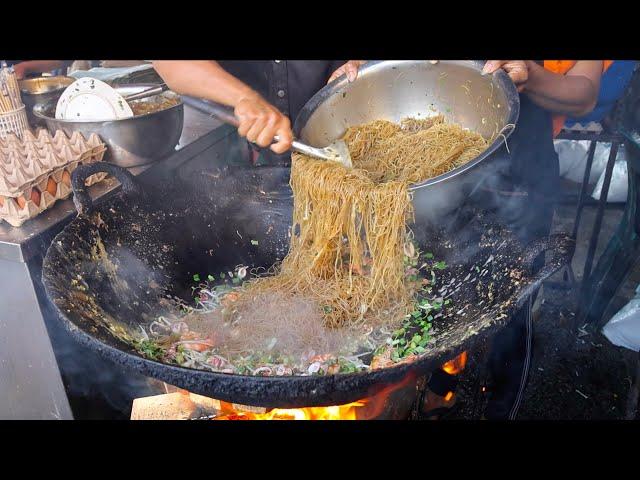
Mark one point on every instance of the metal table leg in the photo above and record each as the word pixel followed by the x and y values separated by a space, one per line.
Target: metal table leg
pixel 617 259
pixel 30 383
pixel 568 279
pixel 593 242
pixel 583 188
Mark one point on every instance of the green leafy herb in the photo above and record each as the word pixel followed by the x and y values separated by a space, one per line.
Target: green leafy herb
pixel 346 366
pixel 196 278
pixel 151 350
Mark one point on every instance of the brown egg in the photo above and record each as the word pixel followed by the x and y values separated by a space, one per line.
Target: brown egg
pixel 66 178
pixel 1 200
pixel 35 196
pixel 20 201
pixel 52 186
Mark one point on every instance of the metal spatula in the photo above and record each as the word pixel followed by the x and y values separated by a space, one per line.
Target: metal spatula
pixel 336 152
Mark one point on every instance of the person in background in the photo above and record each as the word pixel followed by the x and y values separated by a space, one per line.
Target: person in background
pixel 613 84
pixel 266 95
pixel 35 68
pixel 566 88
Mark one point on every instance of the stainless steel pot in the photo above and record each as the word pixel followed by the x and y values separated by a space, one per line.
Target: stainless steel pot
pixel 40 91
pixel 130 142
pixel 394 90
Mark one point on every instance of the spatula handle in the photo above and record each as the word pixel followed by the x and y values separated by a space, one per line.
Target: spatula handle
pixel 226 115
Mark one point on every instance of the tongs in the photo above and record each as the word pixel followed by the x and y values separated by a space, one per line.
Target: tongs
pixel 336 152
pixel 150 92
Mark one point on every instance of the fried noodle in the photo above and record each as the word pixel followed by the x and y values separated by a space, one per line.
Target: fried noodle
pixel 350 226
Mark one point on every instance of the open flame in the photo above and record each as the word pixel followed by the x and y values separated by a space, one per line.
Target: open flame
pixel 341 412
pixel 371 407
pixel 455 366
pixel 393 401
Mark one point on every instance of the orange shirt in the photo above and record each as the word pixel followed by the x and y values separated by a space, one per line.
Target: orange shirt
pixel 562 67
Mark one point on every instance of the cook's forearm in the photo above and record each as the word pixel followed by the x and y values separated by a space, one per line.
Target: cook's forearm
pixel 203 79
pixel 564 94
pixel 561 108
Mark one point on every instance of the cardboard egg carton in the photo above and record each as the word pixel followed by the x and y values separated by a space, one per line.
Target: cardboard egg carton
pixel 36 171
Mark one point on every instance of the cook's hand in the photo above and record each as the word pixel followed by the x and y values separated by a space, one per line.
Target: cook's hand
pixel 260 122
pixel 350 69
pixel 516 69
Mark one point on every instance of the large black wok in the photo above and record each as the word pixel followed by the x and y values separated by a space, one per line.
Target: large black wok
pixel 114 267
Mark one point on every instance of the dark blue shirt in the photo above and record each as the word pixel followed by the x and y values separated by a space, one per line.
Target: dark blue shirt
pixel 286 84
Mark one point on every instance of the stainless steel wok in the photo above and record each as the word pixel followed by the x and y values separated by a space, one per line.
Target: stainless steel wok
pixel 130 142
pixel 394 90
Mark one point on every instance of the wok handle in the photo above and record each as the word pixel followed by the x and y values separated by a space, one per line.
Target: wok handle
pixel 82 199
pixel 561 246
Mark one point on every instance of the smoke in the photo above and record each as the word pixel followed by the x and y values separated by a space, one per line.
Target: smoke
pixel 274 322
pixel 96 387
pixel 218 207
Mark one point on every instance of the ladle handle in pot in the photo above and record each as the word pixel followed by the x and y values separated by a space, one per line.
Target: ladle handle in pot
pixel 150 92
pixel 560 246
pixel 81 198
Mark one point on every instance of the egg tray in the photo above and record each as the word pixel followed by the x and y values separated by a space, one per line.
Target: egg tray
pixel 24 163
pixel 36 171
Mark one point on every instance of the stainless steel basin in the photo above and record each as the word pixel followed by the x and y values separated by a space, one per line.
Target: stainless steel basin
pixel 394 90
pixel 132 141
